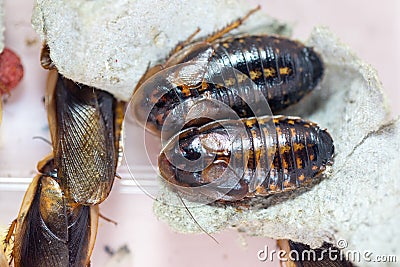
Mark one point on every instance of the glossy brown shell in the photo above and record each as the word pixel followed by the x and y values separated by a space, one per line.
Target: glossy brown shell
pixel 50 230
pixel 243 158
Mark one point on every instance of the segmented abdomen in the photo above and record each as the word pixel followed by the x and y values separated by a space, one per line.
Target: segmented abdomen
pixel 302 151
pixel 284 70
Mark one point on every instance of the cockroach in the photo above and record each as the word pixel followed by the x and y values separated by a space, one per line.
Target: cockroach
pixel 282 70
pixel 85 126
pixel 50 229
pixel 230 160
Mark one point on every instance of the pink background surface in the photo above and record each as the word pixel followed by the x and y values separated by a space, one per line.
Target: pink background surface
pixel 372 29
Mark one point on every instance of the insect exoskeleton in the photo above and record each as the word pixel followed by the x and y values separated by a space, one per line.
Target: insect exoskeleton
pixel 229 160
pixel 51 230
pixel 283 72
pixel 85 125
pixel 185 92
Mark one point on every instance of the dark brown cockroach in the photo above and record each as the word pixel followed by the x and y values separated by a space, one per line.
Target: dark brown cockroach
pixel 85 125
pixel 232 159
pixel 51 230
pixel 282 70
pixel 301 255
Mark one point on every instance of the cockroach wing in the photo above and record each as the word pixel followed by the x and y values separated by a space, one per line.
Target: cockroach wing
pixel 50 231
pixel 82 122
pixel 82 231
pixel 41 232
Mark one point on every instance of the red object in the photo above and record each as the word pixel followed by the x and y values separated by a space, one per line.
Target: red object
pixel 11 71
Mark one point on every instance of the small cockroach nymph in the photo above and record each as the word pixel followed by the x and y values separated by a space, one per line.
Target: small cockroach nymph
pixel 283 71
pixel 230 160
pixel 85 125
pixel 51 230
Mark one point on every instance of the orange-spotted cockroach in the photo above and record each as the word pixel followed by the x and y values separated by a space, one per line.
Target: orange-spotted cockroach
pixel 301 255
pixel 85 125
pixel 283 71
pixel 233 159
pixel 50 229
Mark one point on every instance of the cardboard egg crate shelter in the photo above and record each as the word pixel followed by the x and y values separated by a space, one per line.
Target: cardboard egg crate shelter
pixel 356 198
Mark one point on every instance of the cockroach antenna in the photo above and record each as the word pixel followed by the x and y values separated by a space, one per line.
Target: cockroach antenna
pixel 194 219
pixel 43 139
pixel 108 219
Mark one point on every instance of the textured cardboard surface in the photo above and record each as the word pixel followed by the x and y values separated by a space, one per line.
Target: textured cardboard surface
pixel 111 50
